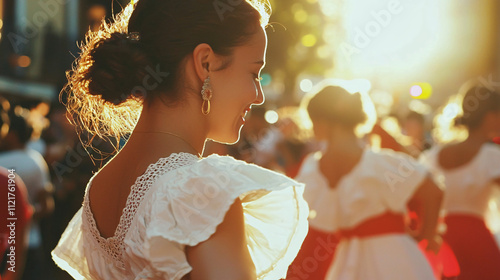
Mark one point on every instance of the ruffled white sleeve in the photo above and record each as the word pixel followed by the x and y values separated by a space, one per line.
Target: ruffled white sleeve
pixel 188 204
pixel 402 175
pixel 69 253
pixel 493 161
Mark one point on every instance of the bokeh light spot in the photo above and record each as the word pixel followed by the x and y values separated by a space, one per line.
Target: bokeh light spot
pixel 416 90
pixel 23 61
pixel 271 116
pixel 301 16
pixel 266 79
pixel 306 85
pixel 420 90
pixel 309 40
pixel 451 111
pixel 323 52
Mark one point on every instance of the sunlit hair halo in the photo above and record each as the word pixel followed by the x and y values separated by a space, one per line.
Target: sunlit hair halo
pixel 330 102
pixel 132 59
pixel 465 111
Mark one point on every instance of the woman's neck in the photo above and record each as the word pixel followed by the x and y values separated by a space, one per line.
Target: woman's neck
pixel 158 124
pixel 476 137
pixel 343 142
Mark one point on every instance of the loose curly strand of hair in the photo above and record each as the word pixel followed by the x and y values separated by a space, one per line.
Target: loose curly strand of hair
pixel 90 114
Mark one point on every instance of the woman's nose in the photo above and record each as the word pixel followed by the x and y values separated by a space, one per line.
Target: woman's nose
pixel 260 98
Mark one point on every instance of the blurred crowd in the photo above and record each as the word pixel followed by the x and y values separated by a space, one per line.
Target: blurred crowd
pixel 39 144
pixel 55 163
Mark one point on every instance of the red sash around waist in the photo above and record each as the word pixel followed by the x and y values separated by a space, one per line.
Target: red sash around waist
pixel 387 223
pixel 469 219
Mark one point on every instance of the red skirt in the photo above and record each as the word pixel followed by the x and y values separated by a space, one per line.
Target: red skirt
pixel 474 246
pixel 444 263
pixel 315 256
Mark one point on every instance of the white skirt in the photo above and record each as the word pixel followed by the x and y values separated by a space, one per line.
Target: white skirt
pixel 387 257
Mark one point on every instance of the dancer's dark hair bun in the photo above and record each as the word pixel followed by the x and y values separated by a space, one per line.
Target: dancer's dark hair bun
pixel 478 101
pixel 118 68
pixel 117 74
pixel 336 105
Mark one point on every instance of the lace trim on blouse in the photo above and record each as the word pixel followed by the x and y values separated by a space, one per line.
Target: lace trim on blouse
pixel 114 246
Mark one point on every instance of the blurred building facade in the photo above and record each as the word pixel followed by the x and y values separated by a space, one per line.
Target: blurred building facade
pixel 38 43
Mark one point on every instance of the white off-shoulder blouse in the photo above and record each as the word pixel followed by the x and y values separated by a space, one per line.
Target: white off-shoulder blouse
pixel 469 187
pixel 381 182
pixel 179 201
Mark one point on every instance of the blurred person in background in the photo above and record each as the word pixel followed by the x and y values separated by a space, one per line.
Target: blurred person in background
pixel 279 146
pixel 413 126
pixel 360 197
pixel 390 132
pixel 470 168
pixel 32 168
pixel 252 133
pixel 71 166
pixel 294 142
pixel 39 123
pixel 385 130
pixel 12 189
pixel 290 153
pixel 380 138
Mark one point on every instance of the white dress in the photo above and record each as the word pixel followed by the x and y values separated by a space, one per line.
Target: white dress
pixel 178 202
pixel 318 194
pixel 381 182
pixel 468 187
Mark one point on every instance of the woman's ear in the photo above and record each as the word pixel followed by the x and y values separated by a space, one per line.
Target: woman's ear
pixel 203 57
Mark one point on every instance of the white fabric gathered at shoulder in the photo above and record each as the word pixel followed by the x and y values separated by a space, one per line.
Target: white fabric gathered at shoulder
pixel 429 157
pixel 188 204
pixel 310 164
pixel 69 253
pixel 492 162
pixel 401 175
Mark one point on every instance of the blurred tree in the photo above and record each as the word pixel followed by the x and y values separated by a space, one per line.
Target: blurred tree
pixel 295 39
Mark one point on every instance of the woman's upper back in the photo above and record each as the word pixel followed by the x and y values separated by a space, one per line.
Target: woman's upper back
pixel 114 184
pixel 469 179
pixel 179 202
pixel 381 181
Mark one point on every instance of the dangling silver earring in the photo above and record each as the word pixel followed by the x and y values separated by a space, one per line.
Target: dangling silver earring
pixel 206 94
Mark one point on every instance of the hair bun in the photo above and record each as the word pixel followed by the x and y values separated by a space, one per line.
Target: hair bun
pixel 337 105
pixel 118 66
pixel 353 109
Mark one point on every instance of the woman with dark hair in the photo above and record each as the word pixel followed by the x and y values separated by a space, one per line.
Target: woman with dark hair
pixel 470 170
pixel 361 196
pixel 172 74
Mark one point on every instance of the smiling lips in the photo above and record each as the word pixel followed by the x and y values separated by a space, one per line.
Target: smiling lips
pixel 245 113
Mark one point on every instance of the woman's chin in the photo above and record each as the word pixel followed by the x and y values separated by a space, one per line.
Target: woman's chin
pixel 228 139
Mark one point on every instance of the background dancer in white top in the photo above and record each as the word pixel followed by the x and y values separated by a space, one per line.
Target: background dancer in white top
pixel 363 195
pixel 470 170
